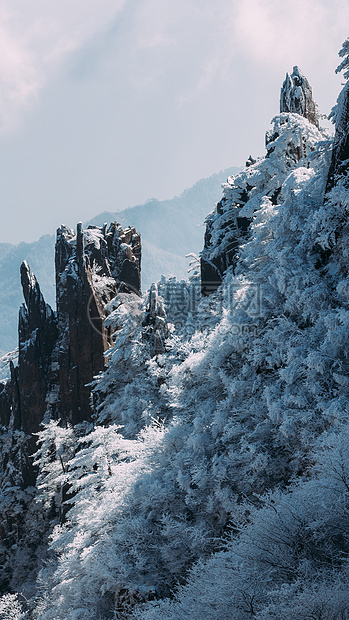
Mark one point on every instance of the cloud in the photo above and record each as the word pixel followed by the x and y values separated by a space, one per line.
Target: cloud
pixel 19 77
pixel 35 40
pixel 270 32
pixel 259 40
pixel 141 98
pixel 187 47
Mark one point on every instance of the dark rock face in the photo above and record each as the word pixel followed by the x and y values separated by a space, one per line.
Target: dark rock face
pixel 234 230
pixel 22 399
pixel 83 286
pixel 5 404
pixel 82 339
pixel 60 353
pixel 37 337
pixel 124 252
pixel 340 151
pixel 91 267
pixel 155 330
pixel 297 97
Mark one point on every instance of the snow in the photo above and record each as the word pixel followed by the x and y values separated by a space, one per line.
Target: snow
pixel 5 360
pixel 93 236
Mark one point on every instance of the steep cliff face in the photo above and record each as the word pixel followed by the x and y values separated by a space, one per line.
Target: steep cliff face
pixel 37 338
pixel 82 338
pixel 60 353
pixel 288 142
pixel 24 396
pixel 340 116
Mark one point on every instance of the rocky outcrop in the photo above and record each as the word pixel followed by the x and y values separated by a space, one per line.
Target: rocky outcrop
pixel 340 152
pixel 91 267
pixel 297 96
pixel 233 229
pixel 60 352
pixel 5 404
pixel 227 228
pixel 155 329
pixel 82 338
pixel 37 337
pixel 22 399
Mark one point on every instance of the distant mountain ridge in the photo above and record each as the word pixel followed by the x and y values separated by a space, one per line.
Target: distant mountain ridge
pixel 158 222
pixel 169 230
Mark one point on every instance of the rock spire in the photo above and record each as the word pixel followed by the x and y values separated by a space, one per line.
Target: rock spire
pixel 60 352
pixel 297 97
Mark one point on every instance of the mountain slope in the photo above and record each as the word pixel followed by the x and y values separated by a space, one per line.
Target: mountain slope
pixel 220 466
pixel 212 480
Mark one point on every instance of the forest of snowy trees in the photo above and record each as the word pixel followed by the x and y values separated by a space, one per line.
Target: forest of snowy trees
pixel 213 480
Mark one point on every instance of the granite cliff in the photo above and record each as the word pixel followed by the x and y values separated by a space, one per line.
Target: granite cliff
pixel 60 352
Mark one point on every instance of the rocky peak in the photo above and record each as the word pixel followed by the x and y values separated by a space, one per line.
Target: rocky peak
pixel 297 97
pixel 35 310
pixel 155 329
pixel 340 152
pixel 92 266
pixel 37 337
pixel 60 353
pixel 290 140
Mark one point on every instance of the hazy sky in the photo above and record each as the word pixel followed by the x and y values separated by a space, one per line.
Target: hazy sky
pixel 106 103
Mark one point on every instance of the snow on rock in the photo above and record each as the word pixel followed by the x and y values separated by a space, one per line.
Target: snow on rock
pixel 60 353
pixel 87 278
pixel 5 360
pixel 293 141
pixel 296 96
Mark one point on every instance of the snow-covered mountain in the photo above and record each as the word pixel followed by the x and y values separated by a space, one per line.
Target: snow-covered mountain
pixel 208 474
pixel 170 229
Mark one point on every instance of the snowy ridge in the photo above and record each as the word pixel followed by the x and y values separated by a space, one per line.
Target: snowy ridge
pixel 213 482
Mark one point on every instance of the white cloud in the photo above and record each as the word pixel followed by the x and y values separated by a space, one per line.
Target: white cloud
pixel 35 39
pixel 194 42
pixel 270 31
pixel 259 39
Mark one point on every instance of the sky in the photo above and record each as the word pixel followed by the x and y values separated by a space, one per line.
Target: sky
pixel 105 104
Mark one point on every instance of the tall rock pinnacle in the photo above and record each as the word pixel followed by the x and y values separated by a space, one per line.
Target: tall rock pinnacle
pixel 60 352
pixel 297 97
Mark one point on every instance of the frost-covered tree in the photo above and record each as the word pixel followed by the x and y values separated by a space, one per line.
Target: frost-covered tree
pixel 10 608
